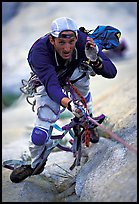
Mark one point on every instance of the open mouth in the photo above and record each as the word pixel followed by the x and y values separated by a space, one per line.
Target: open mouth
pixel 67 54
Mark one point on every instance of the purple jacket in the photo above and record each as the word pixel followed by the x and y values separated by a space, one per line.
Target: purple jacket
pixel 52 70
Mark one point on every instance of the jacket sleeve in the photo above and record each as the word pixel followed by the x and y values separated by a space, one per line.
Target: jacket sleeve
pixel 108 70
pixel 43 67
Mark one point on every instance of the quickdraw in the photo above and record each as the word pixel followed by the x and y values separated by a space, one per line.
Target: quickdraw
pixel 29 88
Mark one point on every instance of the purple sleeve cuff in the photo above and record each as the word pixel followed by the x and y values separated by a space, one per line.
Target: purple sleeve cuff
pixel 109 70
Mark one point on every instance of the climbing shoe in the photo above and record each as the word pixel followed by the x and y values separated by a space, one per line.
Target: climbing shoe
pixel 22 172
pixel 94 136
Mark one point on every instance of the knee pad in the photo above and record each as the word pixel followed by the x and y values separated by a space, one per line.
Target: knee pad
pixel 39 136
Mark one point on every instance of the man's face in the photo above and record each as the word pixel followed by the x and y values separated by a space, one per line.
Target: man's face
pixel 65 45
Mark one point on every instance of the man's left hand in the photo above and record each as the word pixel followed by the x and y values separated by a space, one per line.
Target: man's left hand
pixel 91 50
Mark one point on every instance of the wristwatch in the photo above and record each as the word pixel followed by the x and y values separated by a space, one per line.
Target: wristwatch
pixel 97 64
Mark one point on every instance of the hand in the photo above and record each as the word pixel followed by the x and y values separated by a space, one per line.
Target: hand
pixel 91 50
pixel 76 108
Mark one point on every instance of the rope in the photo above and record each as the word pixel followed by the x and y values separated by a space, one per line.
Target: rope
pixel 79 94
pixel 130 147
pixel 87 135
pixel 87 132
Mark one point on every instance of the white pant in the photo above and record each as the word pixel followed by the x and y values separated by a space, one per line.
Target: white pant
pixel 48 112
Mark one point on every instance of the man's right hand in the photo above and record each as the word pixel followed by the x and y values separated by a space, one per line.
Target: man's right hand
pixel 76 108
